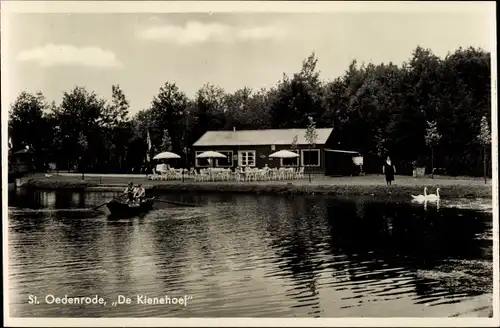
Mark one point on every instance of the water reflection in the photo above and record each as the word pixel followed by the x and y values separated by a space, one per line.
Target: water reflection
pixel 426 203
pixel 249 256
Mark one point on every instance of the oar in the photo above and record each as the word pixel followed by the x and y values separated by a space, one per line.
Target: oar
pixel 175 203
pixel 95 208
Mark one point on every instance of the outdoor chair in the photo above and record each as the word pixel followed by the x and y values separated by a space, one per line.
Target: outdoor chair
pixel 259 175
pixel 154 176
pixel 216 175
pixel 226 174
pixel 300 173
pixel 266 174
pixel 204 175
pixel 281 174
pixel 164 175
pixel 250 174
pixel 198 176
pixel 189 174
pixel 239 176
pixel 177 174
pixel 273 174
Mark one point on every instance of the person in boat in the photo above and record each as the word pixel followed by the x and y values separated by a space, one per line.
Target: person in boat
pixel 129 191
pixel 140 193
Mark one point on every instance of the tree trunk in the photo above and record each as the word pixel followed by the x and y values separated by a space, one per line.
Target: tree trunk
pixel 186 164
pixel 82 162
pixel 432 162
pixel 484 163
pixel 309 164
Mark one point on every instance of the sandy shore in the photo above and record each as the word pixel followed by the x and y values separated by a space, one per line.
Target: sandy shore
pixel 371 185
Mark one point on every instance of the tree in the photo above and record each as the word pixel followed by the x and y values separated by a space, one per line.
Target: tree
pixel 29 113
pixel 484 138
pixel 81 113
pixel 168 111
pixel 298 97
pixel 294 143
pixel 311 135
pixel 116 113
pixel 432 138
pixel 83 143
pixel 247 110
pixel 137 148
pixel 211 108
pixel 381 142
pixel 374 108
pixel 115 125
pixel 166 142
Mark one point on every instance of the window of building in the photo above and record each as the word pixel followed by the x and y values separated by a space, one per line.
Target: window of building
pixel 246 158
pixel 225 162
pixel 291 161
pixel 310 157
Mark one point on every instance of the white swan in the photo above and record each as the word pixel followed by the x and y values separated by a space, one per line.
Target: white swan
pixel 433 196
pixel 421 197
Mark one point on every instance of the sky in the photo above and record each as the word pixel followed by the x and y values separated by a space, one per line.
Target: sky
pixel 54 52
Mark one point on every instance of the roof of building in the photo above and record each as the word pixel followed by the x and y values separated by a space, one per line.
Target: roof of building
pixel 260 137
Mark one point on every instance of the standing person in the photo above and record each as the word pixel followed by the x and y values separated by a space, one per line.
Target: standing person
pixel 389 170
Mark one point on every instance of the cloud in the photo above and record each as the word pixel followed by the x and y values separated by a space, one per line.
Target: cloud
pixel 196 32
pixel 52 55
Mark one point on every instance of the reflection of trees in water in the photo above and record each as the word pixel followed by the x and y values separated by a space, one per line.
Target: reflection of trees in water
pixel 377 250
pixel 63 199
pixel 392 241
pixel 297 238
pixel 118 241
pixel 63 254
pixel 242 229
pixel 27 240
pixel 48 199
pixel 24 223
pixel 25 198
pixel 170 245
pixel 78 199
pixel 422 235
pixel 36 199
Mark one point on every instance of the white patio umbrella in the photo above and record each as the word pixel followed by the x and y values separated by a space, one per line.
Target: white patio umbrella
pixel 211 154
pixel 166 155
pixel 284 154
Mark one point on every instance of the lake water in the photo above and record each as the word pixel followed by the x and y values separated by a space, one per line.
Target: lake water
pixel 249 256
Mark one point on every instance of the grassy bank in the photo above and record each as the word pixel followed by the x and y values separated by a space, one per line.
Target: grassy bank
pixel 342 186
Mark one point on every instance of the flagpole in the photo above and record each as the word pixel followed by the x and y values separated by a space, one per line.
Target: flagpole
pixel 148 153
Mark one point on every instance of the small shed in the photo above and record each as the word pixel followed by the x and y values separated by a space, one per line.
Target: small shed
pixel 343 162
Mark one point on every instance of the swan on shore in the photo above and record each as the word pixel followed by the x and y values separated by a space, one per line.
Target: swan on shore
pixel 421 197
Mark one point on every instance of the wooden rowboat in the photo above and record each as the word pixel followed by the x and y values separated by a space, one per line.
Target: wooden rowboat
pixel 123 209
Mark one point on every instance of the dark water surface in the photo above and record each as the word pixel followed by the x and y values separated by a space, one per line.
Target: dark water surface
pixel 249 256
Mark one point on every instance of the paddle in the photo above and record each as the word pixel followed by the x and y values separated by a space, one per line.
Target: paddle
pixel 95 208
pixel 175 203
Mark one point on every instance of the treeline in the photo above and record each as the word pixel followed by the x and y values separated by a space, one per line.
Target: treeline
pixel 428 105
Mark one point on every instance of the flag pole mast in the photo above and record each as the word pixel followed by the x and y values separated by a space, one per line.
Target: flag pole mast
pixel 148 153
